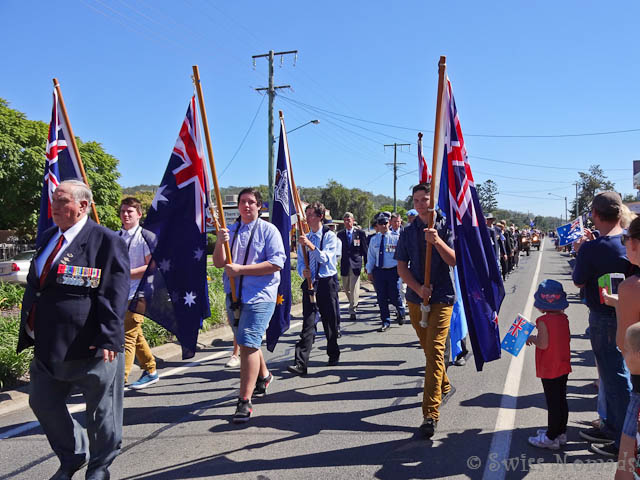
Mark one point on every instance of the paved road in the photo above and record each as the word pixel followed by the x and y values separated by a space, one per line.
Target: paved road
pixel 354 420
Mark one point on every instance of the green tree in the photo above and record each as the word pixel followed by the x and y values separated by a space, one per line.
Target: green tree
pixel 22 157
pixel 590 183
pixel 487 192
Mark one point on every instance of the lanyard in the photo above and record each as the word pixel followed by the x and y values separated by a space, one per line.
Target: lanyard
pixel 246 253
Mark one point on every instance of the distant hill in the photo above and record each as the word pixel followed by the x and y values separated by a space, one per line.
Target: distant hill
pixel 139 188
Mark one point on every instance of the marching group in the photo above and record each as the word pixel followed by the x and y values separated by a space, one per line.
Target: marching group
pixel 86 339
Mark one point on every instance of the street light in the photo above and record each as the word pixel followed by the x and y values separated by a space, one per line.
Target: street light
pixel 315 122
pixel 566 214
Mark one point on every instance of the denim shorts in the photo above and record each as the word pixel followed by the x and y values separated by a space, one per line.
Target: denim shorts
pixel 254 320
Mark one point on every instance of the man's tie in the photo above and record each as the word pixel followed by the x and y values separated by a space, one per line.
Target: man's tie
pixel 313 263
pixel 43 276
pixel 381 253
pixel 349 237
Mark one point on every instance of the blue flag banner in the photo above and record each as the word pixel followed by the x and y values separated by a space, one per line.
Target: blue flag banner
pixel 570 232
pixel 283 209
pixel 61 164
pixel 481 285
pixel 173 291
pixel 458 329
pixel 517 335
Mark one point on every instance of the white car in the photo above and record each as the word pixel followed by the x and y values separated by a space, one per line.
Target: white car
pixel 16 269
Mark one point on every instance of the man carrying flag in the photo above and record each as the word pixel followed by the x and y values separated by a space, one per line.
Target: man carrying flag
pixel 258 255
pixel 440 294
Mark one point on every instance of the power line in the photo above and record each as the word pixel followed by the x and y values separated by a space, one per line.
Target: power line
pixel 415 129
pixel 245 137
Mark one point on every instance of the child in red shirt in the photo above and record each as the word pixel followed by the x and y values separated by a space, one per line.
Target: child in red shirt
pixel 553 362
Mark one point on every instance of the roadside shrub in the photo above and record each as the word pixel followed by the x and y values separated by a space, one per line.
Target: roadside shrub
pixel 10 295
pixel 12 365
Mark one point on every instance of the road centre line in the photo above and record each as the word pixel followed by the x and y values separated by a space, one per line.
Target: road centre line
pixel 80 407
pixel 501 440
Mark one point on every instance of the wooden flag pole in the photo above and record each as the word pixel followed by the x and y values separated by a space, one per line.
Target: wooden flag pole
pixel 74 145
pixel 435 182
pixel 212 165
pixel 298 205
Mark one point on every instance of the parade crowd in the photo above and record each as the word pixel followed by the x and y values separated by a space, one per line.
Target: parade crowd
pixel 86 338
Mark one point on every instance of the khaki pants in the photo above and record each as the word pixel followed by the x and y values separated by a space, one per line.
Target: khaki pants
pixel 351 287
pixel 135 345
pixel 433 340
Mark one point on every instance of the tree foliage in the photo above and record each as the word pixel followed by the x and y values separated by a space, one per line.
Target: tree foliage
pixel 589 185
pixel 487 192
pixel 22 157
pixel 339 199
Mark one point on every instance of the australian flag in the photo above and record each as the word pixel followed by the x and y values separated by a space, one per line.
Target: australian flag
pixel 61 164
pixel 283 209
pixel 517 335
pixel 481 285
pixel 570 232
pixel 173 291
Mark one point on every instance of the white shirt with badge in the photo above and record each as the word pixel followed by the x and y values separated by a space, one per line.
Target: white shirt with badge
pixel 138 251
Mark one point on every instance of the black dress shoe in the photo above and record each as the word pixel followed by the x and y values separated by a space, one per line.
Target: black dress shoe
pixel 298 369
pixel 383 328
pixel 352 317
pixel 400 319
pixel 333 361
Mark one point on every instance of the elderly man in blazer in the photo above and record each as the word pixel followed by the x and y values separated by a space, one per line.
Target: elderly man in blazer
pixel 354 249
pixel 73 314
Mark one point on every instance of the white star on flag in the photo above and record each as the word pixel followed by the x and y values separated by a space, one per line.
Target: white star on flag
pixel 197 254
pixel 189 299
pixel 159 197
pixel 165 265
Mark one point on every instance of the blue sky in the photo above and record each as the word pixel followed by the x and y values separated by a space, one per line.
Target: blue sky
pixel 540 68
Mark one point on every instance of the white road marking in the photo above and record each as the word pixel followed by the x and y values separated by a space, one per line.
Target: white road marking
pixel 80 407
pixel 501 440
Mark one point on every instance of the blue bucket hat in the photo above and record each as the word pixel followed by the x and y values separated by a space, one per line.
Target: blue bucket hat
pixel 550 296
pixel 412 213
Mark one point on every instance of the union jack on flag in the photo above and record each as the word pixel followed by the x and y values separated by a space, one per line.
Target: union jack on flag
pixel 481 285
pixel 189 149
pixel 61 164
pixel 423 170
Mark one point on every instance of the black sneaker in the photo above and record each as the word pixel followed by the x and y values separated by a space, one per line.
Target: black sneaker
pixel 262 384
pixel 607 450
pixel 428 427
pixel 298 369
pixel 595 435
pixel 243 411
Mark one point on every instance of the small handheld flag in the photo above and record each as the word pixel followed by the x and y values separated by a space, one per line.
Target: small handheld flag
pixel 517 335
pixel 570 232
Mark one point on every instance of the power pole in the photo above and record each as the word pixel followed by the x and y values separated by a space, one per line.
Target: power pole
pixel 271 91
pixel 577 206
pixel 395 168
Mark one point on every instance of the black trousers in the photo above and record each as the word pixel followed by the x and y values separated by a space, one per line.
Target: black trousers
pixel 555 392
pixel 327 302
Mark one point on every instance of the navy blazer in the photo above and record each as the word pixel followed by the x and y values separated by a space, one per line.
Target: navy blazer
pixel 69 319
pixel 352 255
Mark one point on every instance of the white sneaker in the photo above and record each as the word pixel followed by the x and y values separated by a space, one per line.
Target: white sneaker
pixel 233 362
pixel 542 441
pixel 562 438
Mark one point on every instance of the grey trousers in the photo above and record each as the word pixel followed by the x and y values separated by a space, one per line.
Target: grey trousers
pixel 102 385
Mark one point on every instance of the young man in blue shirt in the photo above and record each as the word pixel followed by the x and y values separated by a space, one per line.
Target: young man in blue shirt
pixel 439 294
pixel 258 255
pixel 322 246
